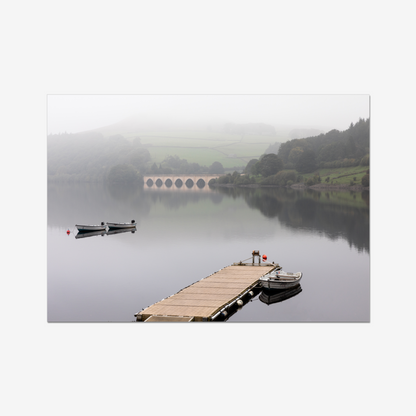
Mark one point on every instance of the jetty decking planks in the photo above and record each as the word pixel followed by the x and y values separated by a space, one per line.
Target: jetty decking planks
pixel 203 299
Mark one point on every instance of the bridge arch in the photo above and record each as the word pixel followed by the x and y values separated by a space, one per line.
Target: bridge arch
pixel 188 181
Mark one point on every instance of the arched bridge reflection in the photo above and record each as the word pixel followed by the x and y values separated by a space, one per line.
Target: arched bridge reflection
pixel 179 182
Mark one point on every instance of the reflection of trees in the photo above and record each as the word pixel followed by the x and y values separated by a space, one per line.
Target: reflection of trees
pixel 306 209
pixel 268 206
pixel 365 195
pixel 336 214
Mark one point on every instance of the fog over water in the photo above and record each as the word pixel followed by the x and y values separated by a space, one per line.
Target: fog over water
pixel 76 113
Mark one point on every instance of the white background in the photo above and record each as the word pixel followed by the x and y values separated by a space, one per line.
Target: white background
pixel 216 47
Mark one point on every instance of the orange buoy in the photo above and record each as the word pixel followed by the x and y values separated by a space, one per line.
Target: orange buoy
pixel 68 232
pixel 264 257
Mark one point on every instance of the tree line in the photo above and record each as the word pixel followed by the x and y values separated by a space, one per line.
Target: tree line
pixel 330 150
pixel 284 163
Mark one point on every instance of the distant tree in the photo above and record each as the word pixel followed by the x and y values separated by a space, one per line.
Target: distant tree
pixel 269 165
pixel 350 147
pixel 365 161
pixel 250 165
pixel 225 179
pixel 307 162
pixel 332 151
pixel 193 168
pixel 216 167
pixel 365 180
pixel 173 162
pixel 243 180
pixel 280 178
pixel 295 154
pixel 139 157
pixel 154 168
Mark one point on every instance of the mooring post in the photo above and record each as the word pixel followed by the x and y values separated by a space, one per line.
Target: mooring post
pixel 256 253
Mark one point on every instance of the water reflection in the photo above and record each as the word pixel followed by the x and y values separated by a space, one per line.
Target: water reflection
pixel 335 214
pixel 115 231
pixel 90 234
pixel 270 296
pixel 85 234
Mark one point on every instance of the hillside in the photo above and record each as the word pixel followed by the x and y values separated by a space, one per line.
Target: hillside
pixel 333 149
pixel 231 144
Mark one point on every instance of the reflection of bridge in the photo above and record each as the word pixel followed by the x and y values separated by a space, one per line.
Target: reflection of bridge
pixel 181 182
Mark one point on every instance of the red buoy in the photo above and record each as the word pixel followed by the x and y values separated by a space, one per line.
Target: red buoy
pixel 68 232
pixel 264 257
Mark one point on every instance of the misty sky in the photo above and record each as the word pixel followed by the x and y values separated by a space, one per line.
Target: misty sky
pixel 75 113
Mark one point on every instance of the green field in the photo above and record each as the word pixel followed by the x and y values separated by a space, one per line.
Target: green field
pixel 340 176
pixel 205 148
pixel 202 146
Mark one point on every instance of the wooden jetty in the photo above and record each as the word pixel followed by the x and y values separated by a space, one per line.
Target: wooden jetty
pixel 210 297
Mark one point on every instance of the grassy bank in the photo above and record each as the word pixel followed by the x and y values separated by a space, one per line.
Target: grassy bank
pixel 339 176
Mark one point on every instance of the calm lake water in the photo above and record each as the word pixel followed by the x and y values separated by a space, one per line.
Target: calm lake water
pixel 184 235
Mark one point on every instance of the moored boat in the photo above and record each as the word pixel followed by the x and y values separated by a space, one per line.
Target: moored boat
pixel 121 225
pixel 87 228
pixel 279 279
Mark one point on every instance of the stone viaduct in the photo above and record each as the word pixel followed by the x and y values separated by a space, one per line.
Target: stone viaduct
pixel 178 181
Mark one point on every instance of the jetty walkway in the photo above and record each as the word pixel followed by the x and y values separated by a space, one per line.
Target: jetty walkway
pixel 210 297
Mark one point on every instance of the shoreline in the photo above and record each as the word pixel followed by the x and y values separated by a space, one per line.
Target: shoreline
pixel 317 187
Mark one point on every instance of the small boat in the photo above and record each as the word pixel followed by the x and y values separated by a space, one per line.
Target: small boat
pixel 87 228
pixel 121 225
pixel 279 279
pixel 270 296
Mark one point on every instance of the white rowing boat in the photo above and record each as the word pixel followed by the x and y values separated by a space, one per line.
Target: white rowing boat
pixel 279 279
pixel 85 228
pixel 121 225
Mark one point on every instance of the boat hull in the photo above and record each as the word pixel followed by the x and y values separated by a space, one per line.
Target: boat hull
pixel 120 225
pixel 280 280
pixel 88 228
